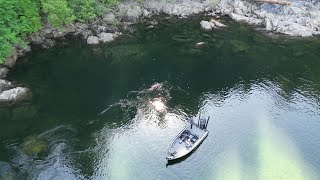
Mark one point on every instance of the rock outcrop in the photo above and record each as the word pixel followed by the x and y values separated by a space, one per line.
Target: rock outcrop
pixel 300 18
pixel 183 8
pixel 14 95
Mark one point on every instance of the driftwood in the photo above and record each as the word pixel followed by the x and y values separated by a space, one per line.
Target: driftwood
pixel 283 2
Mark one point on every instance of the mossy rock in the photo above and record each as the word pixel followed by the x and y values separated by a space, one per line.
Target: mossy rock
pixel 33 145
pixel 239 46
pixel 24 112
pixel 181 39
pixel 193 52
pixel 124 52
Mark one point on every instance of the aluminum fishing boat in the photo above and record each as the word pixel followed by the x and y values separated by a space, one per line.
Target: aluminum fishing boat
pixel 188 139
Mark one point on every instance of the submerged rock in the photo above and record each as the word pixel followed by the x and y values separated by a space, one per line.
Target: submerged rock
pixel 217 23
pixel 182 38
pixel 118 54
pixel 239 46
pixel 150 27
pixel 33 145
pixel 200 45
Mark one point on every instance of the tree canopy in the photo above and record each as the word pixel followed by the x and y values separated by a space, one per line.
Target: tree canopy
pixel 19 18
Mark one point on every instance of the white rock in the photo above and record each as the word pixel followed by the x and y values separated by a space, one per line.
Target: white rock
pixel 268 25
pixel 255 21
pixel 93 40
pixel 301 18
pixel 200 45
pixel 107 37
pixel 238 17
pixel 206 25
pixel 146 13
pixel 13 95
pixel 238 11
pixel 180 8
pixel 217 23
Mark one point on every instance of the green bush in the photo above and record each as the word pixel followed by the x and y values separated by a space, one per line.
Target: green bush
pixel 17 19
pixel 58 12
pixel 89 9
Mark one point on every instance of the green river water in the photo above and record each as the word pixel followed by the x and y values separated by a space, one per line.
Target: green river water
pixel 111 111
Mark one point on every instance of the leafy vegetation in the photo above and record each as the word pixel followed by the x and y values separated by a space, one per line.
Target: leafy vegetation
pixel 19 18
pixel 58 12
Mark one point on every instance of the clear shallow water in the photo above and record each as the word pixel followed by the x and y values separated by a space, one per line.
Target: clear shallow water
pixel 110 112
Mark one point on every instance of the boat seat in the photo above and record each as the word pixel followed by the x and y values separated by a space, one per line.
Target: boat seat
pixel 194 139
pixel 188 144
pixel 181 139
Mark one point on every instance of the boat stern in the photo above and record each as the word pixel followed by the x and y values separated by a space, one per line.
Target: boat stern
pixel 170 157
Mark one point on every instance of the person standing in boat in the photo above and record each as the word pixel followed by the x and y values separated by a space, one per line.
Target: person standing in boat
pixel 191 122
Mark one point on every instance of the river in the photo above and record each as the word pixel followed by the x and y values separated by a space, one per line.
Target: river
pixel 111 111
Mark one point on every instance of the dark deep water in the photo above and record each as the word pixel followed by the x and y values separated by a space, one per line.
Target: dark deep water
pixel 95 112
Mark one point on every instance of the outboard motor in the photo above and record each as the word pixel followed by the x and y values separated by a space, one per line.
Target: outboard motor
pixel 202 123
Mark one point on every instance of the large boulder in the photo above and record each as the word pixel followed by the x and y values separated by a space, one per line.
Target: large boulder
pixel 14 95
pixel 107 37
pixel 93 40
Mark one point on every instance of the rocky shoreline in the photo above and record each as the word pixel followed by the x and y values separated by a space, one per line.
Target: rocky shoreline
pixel 299 18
